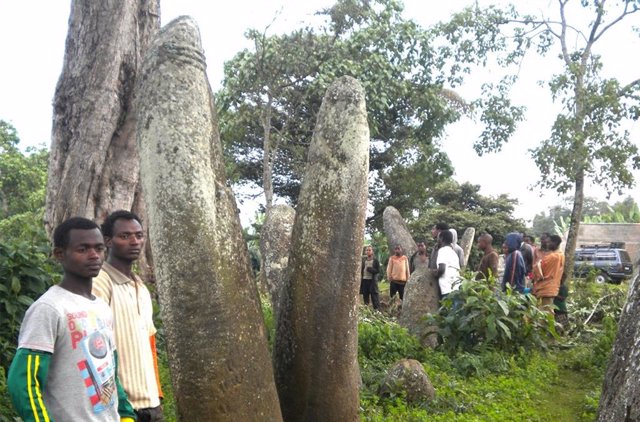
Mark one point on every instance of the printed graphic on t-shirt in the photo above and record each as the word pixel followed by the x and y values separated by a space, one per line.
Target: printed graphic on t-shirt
pixel 90 333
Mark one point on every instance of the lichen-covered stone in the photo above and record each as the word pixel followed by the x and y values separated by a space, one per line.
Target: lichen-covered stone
pixel 467 243
pixel 275 245
pixel 408 377
pixel 218 354
pixel 396 231
pixel 421 298
pixel 317 335
pixel 620 399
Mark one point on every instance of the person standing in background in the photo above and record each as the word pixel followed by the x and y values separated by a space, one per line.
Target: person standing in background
pixel 448 271
pixel 131 304
pixel 489 263
pixel 548 274
pixel 419 258
pixel 457 248
pixel 435 233
pixel 398 272
pixel 515 270
pixel 369 278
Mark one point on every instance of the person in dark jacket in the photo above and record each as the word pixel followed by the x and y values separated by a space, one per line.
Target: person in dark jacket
pixel 369 278
pixel 515 270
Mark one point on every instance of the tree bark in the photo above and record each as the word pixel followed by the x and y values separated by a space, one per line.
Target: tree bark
pixel 574 227
pixel 94 164
pixel 267 158
pixel 620 399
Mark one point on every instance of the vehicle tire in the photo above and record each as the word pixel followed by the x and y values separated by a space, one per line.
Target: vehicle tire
pixel 601 278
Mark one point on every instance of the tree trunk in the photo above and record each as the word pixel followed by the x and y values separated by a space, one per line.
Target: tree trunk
pixel 576 218
pixel 267 158
pixel 219 358
pixel 94 165
pixel 620 399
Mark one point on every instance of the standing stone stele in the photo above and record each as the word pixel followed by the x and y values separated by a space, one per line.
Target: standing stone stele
pixel 396 231
pixel 317 335
pixel 466 243
pixel 275 245
pixel 422 297
pixel 218 353
pixel 620 399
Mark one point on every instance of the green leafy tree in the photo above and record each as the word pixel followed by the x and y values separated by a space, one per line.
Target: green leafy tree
pixel 462 206
pixel 589 139
pixel 23 176
pixel 272 92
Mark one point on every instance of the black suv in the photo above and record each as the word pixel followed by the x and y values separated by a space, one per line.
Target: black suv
pixel 609 263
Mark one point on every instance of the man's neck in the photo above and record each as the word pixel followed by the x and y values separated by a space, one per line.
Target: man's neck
pixel 124 266
pixel 77 285
pixel 488 250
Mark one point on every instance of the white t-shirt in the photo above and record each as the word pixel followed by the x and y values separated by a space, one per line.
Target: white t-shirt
pixel 450 280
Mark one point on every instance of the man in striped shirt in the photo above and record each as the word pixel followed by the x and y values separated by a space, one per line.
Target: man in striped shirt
pixel 131 304
pixel 65 368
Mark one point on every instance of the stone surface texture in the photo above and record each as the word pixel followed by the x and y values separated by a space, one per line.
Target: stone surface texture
pixel 408 376
pixel 275 245
pixel 397 233
pixel 422 297
pixel 317 334
pixel 219 359
pixel 466 243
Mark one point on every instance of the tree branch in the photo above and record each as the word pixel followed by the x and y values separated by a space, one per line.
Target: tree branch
pixel 624 13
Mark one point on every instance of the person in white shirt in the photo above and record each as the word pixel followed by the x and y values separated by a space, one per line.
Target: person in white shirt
pixel 448 265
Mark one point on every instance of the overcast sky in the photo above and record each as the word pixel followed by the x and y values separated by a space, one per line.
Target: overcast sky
pixel 32 35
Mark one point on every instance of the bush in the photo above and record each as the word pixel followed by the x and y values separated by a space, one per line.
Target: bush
pixel 475 318
pixel 25 273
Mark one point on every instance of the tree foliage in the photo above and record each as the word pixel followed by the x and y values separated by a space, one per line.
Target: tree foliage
pixel 589 139
pixel 462 206
pixel 272 92
pixel 23 176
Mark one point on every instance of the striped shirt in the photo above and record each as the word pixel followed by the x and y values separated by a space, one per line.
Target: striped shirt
pixel 130 302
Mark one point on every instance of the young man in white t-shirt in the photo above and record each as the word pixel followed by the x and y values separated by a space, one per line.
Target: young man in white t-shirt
pixel 448 265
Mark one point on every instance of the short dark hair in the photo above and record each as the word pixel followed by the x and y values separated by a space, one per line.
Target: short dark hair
pixel 420 240
pixel 442 226
pixel 446 237
pixel 555 240
pixel 110 221
pixel 61 236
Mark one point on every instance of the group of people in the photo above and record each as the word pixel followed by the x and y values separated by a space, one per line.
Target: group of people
pixel 86 348
pixel 527 268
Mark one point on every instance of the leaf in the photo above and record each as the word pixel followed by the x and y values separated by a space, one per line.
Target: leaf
pixel 15 285
pixel 25 300
pixel 504 307
pixel 504 328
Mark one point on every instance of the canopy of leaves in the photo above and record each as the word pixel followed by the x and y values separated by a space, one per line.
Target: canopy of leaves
pixel 408 75
pixel 23 176
pixel 462 206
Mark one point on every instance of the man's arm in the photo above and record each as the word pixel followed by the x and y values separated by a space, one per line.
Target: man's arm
pixel 154 352
pixel 441 269
pixel 406 263
pixel 125 409
pixel 389 267
pixel 26 380
pixel 492 265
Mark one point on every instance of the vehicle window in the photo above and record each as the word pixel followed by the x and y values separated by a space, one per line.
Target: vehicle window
pixel 606 256
pixel 624 256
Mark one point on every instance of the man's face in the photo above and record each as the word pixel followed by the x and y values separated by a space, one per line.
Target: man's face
pixel 127 241
pixel 422 248
pixel 527 240
pixel 84 254
pixel 398 250
pixel 435 232
pixel 505 248
pixel 544 242
pixel 369 251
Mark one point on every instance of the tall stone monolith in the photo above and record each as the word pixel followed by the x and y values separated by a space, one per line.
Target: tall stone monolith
pixel 275 245
pixel 317 336
pixel 218 353
pixel 396 231
pixel 422 297
pixel 466 243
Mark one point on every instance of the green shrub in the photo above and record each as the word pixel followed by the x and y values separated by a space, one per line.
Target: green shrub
pixel 476 318
pixel 25 273
pixel 7 414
